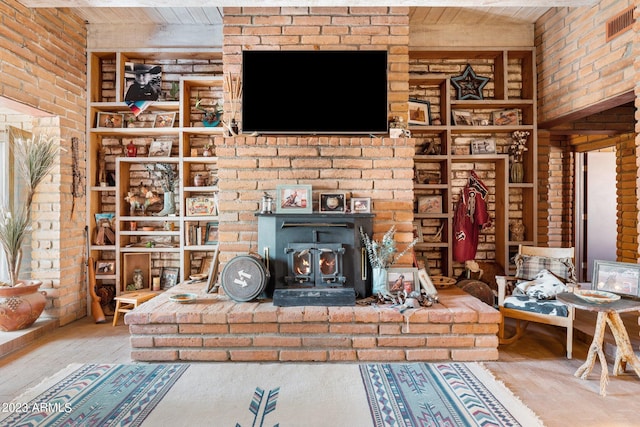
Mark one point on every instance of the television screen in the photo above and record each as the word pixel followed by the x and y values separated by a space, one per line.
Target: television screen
pixel 314 92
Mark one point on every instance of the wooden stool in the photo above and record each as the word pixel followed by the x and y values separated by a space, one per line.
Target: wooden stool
pixel 130 300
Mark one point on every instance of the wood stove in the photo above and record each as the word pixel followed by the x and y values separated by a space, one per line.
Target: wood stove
pixel 315 259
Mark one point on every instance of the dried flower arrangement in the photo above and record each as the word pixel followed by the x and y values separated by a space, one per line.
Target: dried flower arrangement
pixel 518 145
pixel 385 253
pixel 166 173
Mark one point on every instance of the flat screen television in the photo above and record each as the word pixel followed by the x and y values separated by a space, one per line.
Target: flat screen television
pixel 314 92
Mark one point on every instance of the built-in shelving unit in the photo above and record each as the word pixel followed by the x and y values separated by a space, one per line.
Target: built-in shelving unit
pixel 444 156
pixel 177 241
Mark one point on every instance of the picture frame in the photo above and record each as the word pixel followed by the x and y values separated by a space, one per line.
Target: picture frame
pixel 106 266
pixel 169 277
pixel 294 198
pixel 160 148
pixel 110 120
pixel 361 204
pixel 461 118
pixel 430 204
pixel 211 234
pixel 483 146
pixel 201 206
pixel 419 112
pixel 417 231
pixel 164 120
pixel 506 117
pixel 402 279
pixel 333 203
pixel 620 278
pixel 213 271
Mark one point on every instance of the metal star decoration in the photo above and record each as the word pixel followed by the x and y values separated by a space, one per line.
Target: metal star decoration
pixel 468 85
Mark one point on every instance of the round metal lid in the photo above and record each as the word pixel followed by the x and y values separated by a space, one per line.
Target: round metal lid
pixel 244 278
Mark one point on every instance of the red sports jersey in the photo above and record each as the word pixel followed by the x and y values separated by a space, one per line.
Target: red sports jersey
pixel 470 216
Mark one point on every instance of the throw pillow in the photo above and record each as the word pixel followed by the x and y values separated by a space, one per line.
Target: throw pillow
pixel 544 286
pixel 528 266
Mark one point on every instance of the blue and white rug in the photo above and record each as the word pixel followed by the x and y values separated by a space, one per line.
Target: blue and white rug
pixel 270 395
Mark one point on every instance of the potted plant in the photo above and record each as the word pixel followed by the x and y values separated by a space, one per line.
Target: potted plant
pixel 20 301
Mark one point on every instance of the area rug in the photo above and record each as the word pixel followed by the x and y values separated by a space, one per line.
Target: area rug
pixel 270 395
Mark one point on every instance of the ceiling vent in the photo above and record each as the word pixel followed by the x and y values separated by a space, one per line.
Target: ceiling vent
pixel 620 23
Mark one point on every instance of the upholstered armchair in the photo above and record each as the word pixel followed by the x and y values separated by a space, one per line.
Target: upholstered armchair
pixel 529 296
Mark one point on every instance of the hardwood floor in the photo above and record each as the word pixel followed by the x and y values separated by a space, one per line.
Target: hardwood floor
pixel 534 368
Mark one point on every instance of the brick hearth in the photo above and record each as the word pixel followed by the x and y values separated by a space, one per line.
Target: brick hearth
pixel 460 328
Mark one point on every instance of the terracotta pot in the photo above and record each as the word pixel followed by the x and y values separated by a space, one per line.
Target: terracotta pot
pixel 20 306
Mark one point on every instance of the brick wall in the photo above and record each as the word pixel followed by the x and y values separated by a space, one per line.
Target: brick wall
pixel 578 68
pixel 362 167
pixel 44 66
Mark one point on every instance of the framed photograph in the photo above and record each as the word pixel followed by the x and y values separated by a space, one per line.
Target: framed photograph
pixel 294 199
pixel 430 204
pixel 160 148
pixel 402 279
pixel 417 231
pixel 164 120
pixel 169 277
pixel 213 271
pixel 110 120
pixel 506 118
pixel 211 235
pixel 419 112
pixel 361 204
pixel 106 266
pixel 618 277
pixel 483 146
pixel 461 118
pixel 201 206
pixel 333 202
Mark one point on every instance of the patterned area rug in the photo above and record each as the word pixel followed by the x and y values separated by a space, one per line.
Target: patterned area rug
pixel 96 395
pixel 440 395
pixel 270 395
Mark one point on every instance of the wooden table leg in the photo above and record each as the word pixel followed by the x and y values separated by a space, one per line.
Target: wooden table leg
pixel 596 349
pixel 624 350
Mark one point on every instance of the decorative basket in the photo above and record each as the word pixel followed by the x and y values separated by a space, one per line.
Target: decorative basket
pixel 442 282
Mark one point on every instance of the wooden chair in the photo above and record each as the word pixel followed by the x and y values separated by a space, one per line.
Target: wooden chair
pixel 549 312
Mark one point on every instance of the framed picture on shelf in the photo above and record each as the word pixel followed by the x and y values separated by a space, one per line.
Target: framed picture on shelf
pixel 169 277
pixel 506 118
pixel 201 206
pixel 160 148
pixel 618 277
pixel 105 266
pixel 430 204
pixel 333 202
pixel 483 146
pixel 361 204
pixel 164 120
pixel 294 199
pixel 211 235
pixel 461 117
pixel 402 279
pixel 110 120
pixel 419 112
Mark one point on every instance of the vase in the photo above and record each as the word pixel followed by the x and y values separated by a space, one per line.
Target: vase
pixel 516 172
pixel 379 281
pixel 169 207
pixel 21 305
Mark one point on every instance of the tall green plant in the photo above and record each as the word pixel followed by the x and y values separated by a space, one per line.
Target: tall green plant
pixel 34 159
